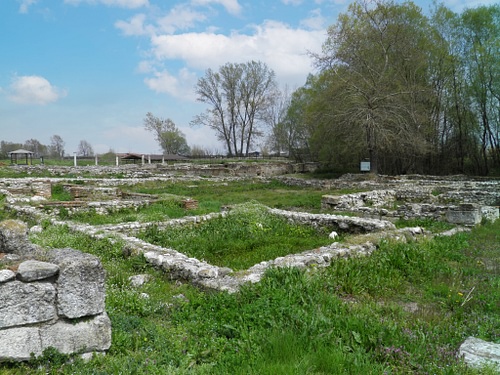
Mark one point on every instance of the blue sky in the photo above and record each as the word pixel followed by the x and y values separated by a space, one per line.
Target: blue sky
pixel 91 69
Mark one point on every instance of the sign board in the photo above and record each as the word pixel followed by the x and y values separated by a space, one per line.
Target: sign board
pixel 364 166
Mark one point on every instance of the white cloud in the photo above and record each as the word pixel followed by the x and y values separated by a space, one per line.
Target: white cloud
pixel 231 6
pixel 34 90
pixel 180 17
pixel 283 48
pixel 25 4
pixel 135 26
pixel 315 21
pixel 119 3
pixel 291 2
pixel 180 86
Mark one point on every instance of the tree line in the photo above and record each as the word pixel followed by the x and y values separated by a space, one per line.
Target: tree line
pixel 406 91
pixel 55 149
pixel 409 92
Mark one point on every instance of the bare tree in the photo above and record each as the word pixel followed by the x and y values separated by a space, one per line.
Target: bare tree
pixel 35 146
pixel 275 116
pixel 237 95
pixel 56 146
pixel 85 148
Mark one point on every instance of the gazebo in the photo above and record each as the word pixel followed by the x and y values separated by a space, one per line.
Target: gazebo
pixel 14 155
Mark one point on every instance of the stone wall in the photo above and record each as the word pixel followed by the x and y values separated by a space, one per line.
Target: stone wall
pixel 49 298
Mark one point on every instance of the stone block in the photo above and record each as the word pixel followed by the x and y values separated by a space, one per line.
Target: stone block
pixel 468 214
pixel 33 270
pixel 80 284
pixel 24 303
pixel 477 352
pixel 87 335
pixel 329 201
pixel 13 237
pixel 17 344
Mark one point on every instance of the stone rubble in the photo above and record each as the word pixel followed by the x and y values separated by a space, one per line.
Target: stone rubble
pixel 180 266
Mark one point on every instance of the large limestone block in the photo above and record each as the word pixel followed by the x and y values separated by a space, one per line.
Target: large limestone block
pixel 88 335
pixel 23 303
pixel 80 283
pixel 33 270
pixel 13 237
pixel 16 344
pixel 468 214
pixel 477 352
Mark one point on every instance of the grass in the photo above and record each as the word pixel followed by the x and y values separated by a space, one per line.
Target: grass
pixel 434 226
pixel 272 193
pixel 349 318
pixel 249 235
pixel 212 197
pixel 403 310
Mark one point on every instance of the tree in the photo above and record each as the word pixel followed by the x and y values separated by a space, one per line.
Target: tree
pixel 376 59
pixel 35 146
pixel 85 148
pixel 56 146
pixel 481 35
pixel 171 139
pixel 237 95
pixel 7 147
pixel 275 116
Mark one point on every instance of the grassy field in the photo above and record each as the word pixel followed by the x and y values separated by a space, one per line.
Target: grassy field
pixel 403 310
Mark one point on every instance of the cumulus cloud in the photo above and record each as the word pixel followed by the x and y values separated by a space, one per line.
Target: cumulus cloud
pixel 25 4
pixel 180 17
pixel 180 85
pixel 119 3
pixel 315 21
pixel 231 6
pixel 34 90
pixel 283 48
pixel 135 26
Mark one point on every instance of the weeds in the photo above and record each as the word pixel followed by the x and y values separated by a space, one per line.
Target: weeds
pixel 350 318
pixel 247 236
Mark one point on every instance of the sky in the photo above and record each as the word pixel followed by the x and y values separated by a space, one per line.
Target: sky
pixel 92 69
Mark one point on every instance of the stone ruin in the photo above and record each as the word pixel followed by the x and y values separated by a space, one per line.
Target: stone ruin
pixel 383 200
pixel 50 298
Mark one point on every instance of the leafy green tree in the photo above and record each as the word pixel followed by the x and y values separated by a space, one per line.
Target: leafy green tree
pixel 238 96
pixel 171 139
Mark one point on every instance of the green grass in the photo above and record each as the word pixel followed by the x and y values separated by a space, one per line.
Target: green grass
pixel 155 212
pixel 434 226
pixel 249 235
pixel 273 193
pixel 349 318
pixel 59 193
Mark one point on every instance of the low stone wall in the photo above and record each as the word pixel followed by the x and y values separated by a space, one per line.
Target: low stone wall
pixel 49 298
pixel 464 207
